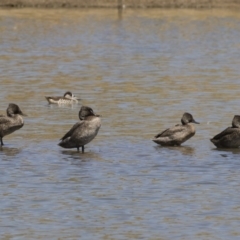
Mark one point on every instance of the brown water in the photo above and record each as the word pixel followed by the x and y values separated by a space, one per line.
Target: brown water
pixel 140 70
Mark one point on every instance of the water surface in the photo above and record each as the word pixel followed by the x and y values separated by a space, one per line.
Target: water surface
pixel 141 70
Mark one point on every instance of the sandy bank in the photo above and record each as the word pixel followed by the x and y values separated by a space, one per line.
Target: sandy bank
pixel 117 3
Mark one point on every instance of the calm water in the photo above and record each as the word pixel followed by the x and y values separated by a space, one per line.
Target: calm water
pixel 141 71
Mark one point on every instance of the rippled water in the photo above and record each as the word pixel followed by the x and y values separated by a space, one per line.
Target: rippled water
pixel 140 70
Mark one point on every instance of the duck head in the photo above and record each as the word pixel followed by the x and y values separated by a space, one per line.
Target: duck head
pixel 236 121
pixel 14 109
pixel 85 112
pixel 188 118
pixel 69 95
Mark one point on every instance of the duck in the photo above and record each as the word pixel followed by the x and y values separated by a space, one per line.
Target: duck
pixel 12 122
pixel 178 134
pixel 83 131
pixel 230 137
pixel 68 98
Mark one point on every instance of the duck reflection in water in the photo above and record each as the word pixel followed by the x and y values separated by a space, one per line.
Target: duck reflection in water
pixel 230 137
pixel 82 132
pixel 178 134
pixel 69 155
pixel 184 150
pixel 9 152
pixel 12 122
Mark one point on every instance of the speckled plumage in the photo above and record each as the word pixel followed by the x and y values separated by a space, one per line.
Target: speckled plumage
pixel 68 98
pixel 230 137
pixel 178 134
pixel 82 132
pixel 12 122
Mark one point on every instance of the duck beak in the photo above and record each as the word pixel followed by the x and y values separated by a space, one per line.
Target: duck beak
pixel 25 115
pixel 193 121
pixel 75 98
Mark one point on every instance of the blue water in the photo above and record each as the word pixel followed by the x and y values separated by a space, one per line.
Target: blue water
pixel 141 72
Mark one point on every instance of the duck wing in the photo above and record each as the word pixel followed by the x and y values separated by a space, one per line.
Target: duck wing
pixel 170 131
pixel 72 130
pixel 225 132
pixel 4 119
pixel 53 98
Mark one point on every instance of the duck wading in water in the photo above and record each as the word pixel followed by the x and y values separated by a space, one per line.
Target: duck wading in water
pixel 230 137
pixel 12 122
pixel 82 132
pixel 178 134
pixel 67 98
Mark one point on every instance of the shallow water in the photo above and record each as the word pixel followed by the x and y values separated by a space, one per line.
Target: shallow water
pixel 141 70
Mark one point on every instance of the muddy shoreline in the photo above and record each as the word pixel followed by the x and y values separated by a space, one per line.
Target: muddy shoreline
pixel 120 3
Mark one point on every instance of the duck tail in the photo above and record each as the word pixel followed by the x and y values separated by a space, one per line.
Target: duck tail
pixel 66 144
pixel 214 141
pixel 157 140
pixel 48 99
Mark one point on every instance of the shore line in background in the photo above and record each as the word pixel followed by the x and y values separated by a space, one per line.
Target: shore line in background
pixel 200 4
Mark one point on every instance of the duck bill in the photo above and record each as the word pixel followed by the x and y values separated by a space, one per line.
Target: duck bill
pixel 23 114
pixel 195 122
pixel 75 98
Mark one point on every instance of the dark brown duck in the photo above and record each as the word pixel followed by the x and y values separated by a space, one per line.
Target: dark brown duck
pixel 230 137
pixel 82 132
pixel 178 134
pixel 12 122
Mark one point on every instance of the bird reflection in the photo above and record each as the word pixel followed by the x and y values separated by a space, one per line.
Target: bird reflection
pixel 72 106
pixel 8 151
pixel 185 150
pixel 227 150
pixel 88 156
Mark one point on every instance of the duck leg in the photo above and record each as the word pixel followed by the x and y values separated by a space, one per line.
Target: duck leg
pixel 78 149
pixel 83 149
pixel 1 142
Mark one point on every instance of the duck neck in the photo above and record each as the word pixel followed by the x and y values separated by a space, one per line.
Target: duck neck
pixel 183 123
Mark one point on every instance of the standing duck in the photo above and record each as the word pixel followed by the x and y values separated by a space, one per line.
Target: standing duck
pixel 68 98
pixel 230 137
pixel 178 134
pixel 82 132
pixel 12 122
